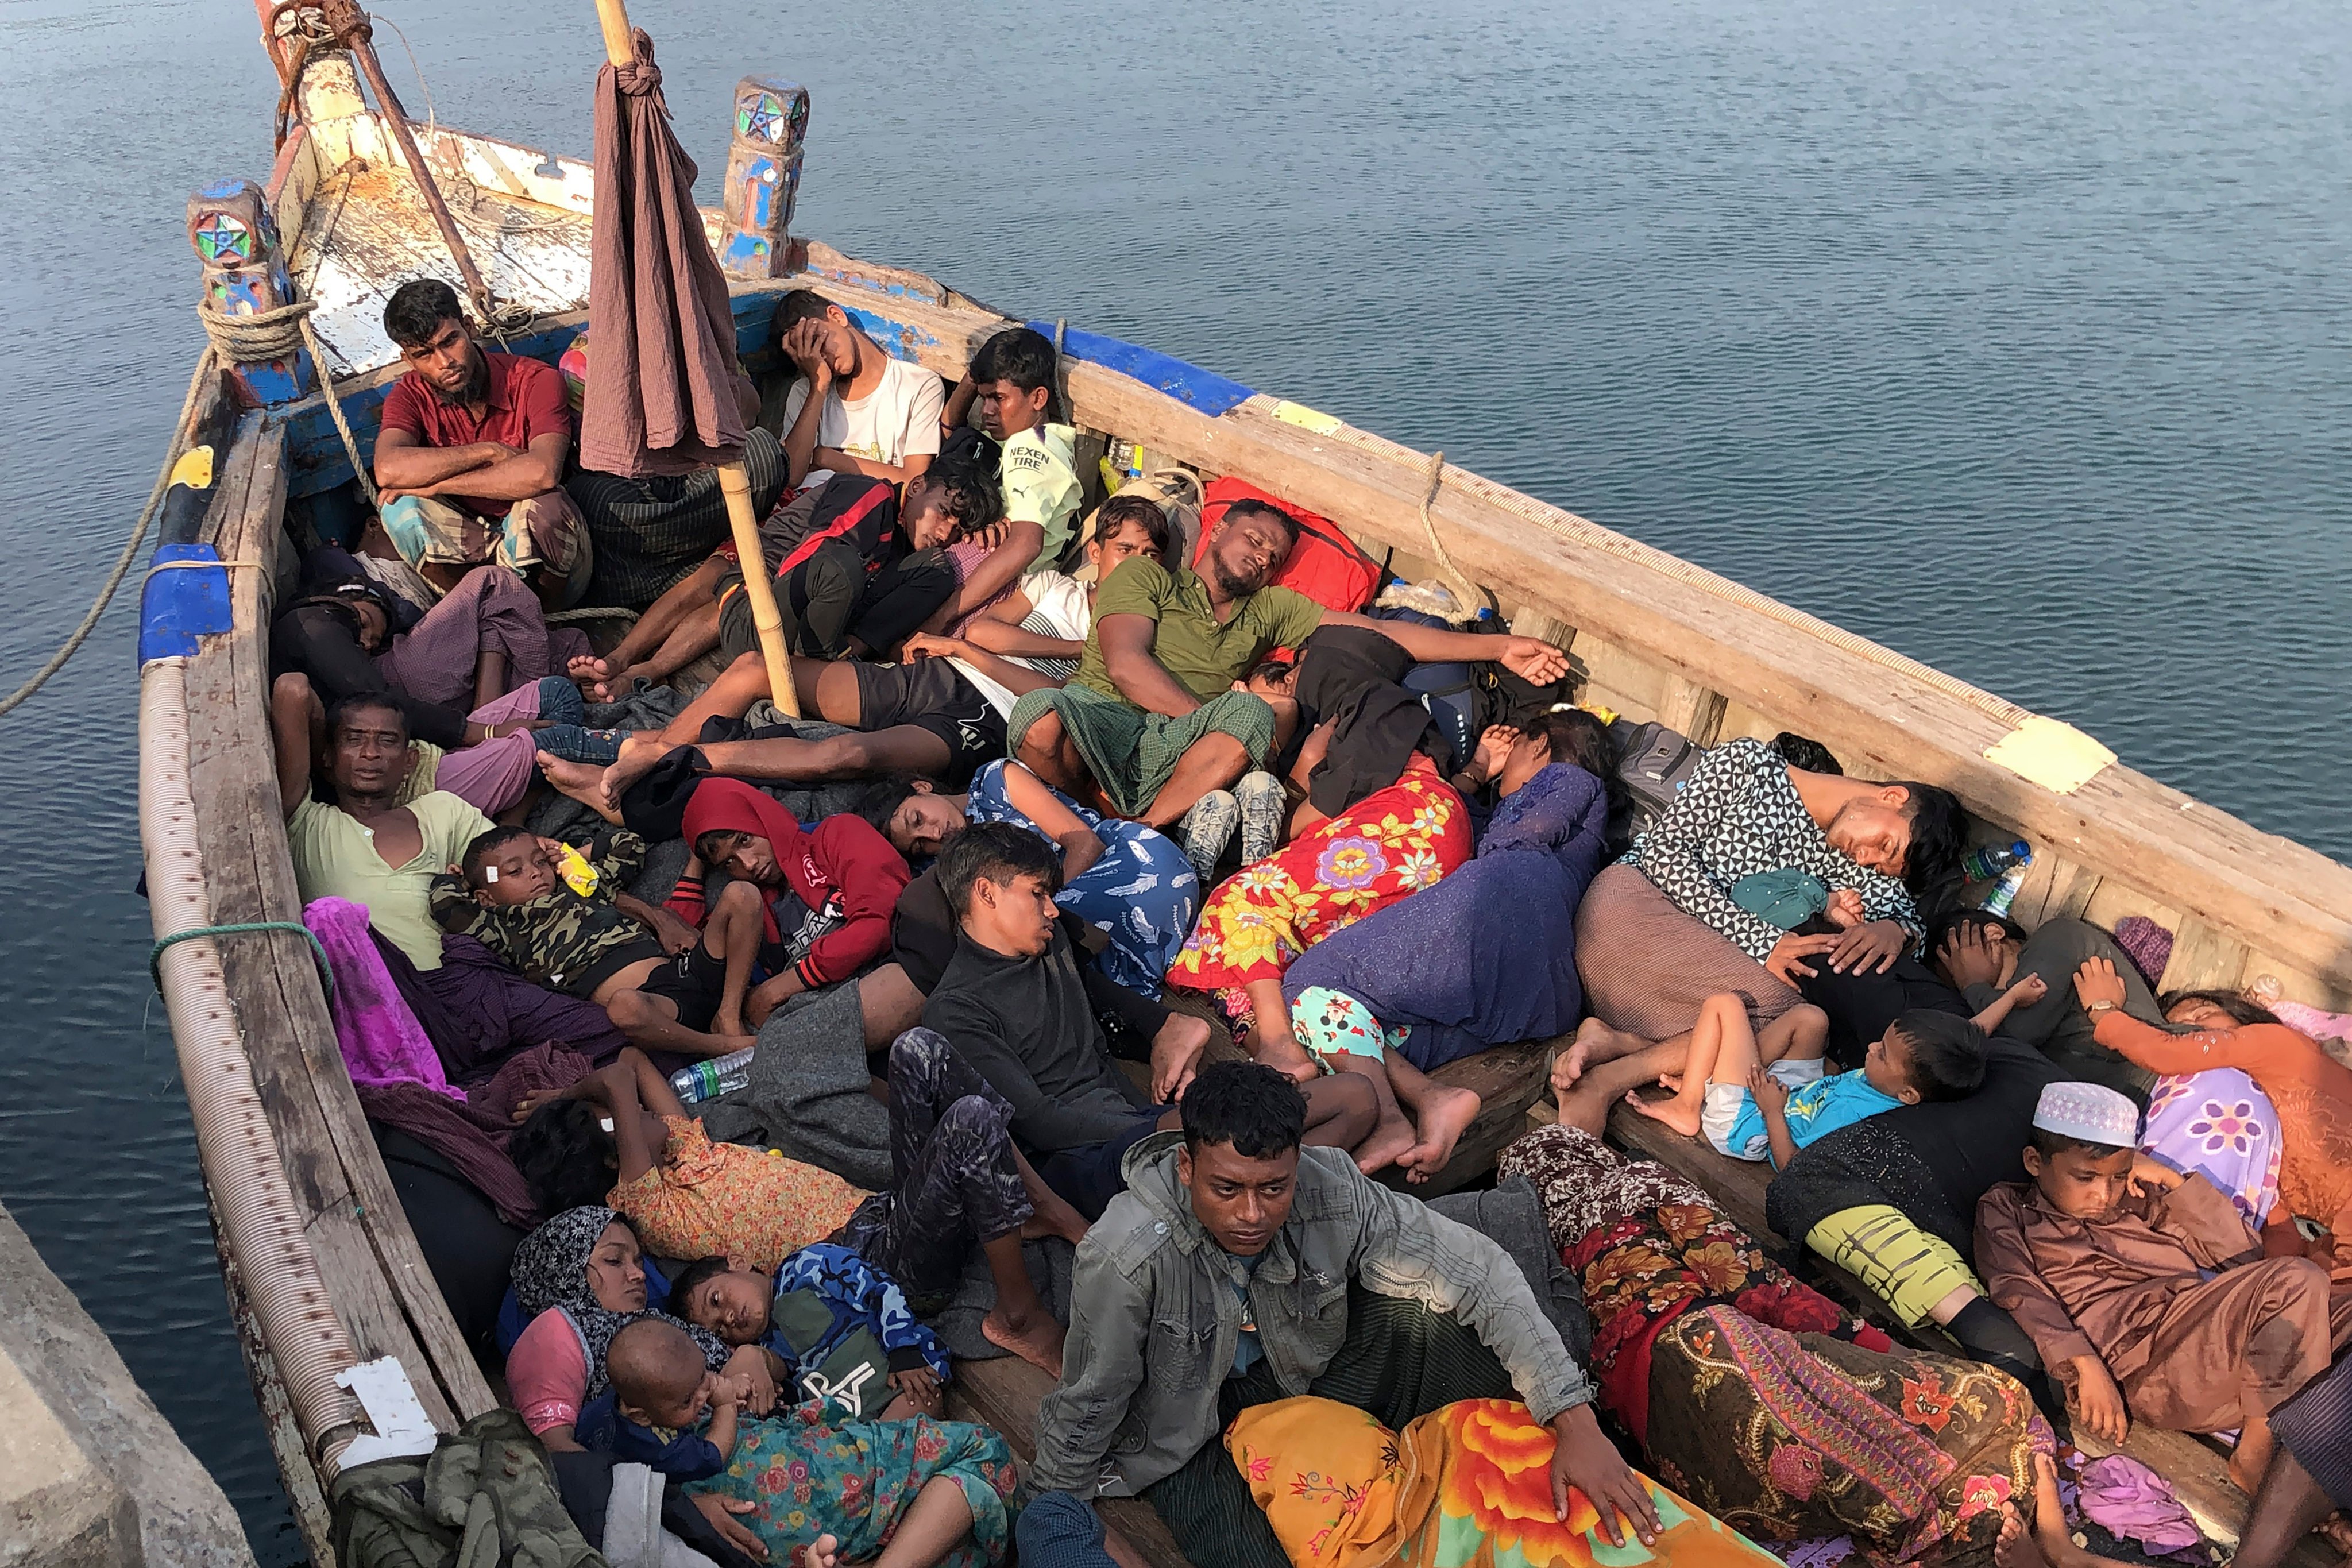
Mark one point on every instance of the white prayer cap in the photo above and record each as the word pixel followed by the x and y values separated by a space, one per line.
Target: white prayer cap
pixel 2091 1112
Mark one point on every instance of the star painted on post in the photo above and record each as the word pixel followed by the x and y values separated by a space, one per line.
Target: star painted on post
pixel 219 234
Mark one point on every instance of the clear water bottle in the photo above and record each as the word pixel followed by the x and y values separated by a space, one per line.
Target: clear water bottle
pixel 1986 861
pixel 710 1078
pixel 2004 892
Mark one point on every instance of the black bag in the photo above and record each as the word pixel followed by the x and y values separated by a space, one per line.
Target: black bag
pixel 1653 762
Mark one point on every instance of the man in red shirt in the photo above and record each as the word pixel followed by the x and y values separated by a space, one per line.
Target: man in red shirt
pixel 470 462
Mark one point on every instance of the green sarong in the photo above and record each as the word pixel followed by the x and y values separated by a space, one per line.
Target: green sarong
pixel 1132 752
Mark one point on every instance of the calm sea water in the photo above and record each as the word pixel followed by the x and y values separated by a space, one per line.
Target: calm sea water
pixel 2013 335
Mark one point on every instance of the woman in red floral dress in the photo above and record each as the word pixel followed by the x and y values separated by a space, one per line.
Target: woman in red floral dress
pixel 1388 846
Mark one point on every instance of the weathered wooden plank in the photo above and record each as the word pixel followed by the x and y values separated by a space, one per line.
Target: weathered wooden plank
pixel 1006 1393
pixel 1694 711
pixel 313 1518
pixel 2204 960
pixel 383 1292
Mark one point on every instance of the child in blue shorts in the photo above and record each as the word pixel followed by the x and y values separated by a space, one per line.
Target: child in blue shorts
pixel 1752 1106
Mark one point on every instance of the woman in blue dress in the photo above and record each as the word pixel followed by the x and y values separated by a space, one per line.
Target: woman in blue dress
pixel 1118 876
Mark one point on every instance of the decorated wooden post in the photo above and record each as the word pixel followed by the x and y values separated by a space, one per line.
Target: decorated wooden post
pixel 245 275
pixel 763 177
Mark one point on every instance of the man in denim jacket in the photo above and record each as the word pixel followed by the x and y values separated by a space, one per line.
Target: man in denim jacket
pixel 1238 1268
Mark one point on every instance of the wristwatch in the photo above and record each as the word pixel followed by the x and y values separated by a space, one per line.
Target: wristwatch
pixel 2095 1008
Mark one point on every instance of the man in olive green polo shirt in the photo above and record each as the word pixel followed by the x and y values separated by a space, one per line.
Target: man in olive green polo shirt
pixel 1151 717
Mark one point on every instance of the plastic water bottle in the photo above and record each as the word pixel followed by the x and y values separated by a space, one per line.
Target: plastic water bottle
pixel 710 1078
pixel 2004 892
pixel 1986 861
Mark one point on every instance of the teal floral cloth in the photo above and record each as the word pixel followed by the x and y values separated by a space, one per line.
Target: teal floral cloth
pixel 856 1481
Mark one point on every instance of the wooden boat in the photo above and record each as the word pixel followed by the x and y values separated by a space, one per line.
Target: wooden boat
pixel 322 1268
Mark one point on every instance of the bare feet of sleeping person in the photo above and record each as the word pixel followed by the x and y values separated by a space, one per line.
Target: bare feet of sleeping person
pixel 1392 1138
pixel 583 782
pixel 590 674
pixel 1446 1115
pixel 1035 1339
pixel 1679 1111
pixel 1595 1043
pixel 640 750
pixel 2046 1541
pixel 825 1551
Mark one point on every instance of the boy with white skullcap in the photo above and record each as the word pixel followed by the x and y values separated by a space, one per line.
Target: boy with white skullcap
pixel 2143 1290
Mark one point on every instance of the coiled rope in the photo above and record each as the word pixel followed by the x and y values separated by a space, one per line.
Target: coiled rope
pixel 263 336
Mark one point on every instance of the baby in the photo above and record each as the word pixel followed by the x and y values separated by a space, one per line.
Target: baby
pixel 1758 1096
pixel 2145 1290
pixel 661 1389
pixel 661 985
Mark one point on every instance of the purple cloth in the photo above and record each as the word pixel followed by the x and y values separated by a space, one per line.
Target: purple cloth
pixel 478 1012
pixel 490 608
pixel 2125 1497
pixel 1487 957
pixel 383 1044
pixel 2149 943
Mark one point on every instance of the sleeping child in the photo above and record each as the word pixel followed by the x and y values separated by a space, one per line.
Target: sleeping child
pixel 683 993
pixel 2145 1290
pixel 1757 1096
pixel 661 1390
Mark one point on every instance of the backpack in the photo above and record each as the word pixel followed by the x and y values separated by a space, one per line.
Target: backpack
pixel 1462 698
pixel 1654 763
pixel 1325 565
pixel 485 1494
pixel 1179 493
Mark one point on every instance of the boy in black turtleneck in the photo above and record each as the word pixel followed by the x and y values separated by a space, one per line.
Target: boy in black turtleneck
pixel 1020 1007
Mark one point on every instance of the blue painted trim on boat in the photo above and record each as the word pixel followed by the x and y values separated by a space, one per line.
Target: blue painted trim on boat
pixel 315 461
pixel 177 605
pixel 1203 389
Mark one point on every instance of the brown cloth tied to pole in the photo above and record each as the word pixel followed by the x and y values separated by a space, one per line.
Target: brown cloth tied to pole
pixel 661 395
pixel 661 384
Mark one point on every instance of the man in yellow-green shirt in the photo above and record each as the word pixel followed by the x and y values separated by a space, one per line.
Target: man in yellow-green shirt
pixel 1152 719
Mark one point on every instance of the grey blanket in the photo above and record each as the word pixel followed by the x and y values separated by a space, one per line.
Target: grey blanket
pixel 808 1093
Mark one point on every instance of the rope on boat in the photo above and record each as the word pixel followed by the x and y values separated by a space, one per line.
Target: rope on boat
pixel 317 948
pixel 1591 535
pixel 265 335
pixel 591 613
pixel 1466 591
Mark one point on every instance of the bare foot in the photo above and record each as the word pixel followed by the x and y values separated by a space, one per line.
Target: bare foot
pixel 1446 1115
pixel 1677 1113
pixel 1586 1106
pixel 587 672
pixel 2016 1547
pixel 2336 1531
pixel 1569 1065
pixel 825 1551
pixel 1390 1141
pixel 1282 1052
pixel 583 782
pixel 640 750
pixel 1037 1341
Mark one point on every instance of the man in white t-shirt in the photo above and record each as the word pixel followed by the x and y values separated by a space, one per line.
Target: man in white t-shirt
pixel 853 408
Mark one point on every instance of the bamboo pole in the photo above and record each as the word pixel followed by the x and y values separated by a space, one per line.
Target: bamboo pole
pixel 734 483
